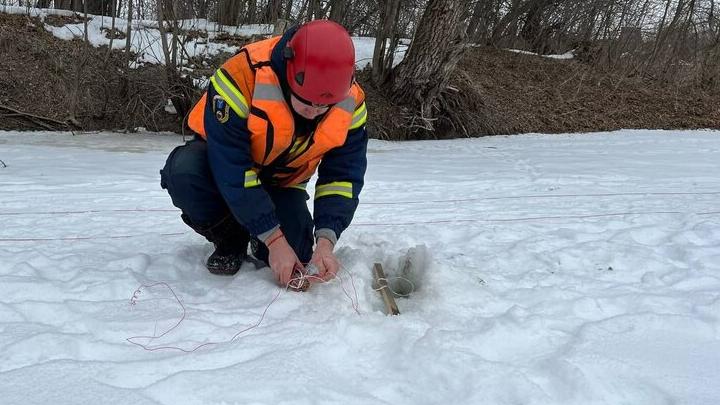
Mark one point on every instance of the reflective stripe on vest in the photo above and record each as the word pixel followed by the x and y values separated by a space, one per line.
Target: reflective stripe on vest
pixel 359 117
pixel 272 128
pixel 224 87
pixel 270 120
pixel 271 123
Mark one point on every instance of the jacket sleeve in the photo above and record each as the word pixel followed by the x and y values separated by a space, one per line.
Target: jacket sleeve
pixel 340 180
pixel 232 167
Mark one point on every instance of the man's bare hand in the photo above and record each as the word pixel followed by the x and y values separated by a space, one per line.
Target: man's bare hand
pixel 282 258
pixel 324 259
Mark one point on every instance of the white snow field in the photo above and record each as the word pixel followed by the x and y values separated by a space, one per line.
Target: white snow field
pixel 563 269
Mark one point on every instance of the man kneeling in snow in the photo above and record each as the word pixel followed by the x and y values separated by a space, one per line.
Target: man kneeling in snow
pixel 275 113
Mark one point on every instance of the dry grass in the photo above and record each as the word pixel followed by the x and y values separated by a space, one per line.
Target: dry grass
pixel 71 81
pixel 500 92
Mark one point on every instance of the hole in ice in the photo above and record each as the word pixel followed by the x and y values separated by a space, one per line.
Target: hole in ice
pixel 405 272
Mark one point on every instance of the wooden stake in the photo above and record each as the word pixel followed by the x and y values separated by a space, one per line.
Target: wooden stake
pixel 382 287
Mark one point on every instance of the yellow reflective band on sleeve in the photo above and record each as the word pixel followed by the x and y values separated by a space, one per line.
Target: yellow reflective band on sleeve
pixel 359 117
pixel 341 188
pixel 251 179
pixel 230 94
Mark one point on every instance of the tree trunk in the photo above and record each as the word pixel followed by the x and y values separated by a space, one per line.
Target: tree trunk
pixel 711 16
pixel 534 25
pixel 388 21
pixel 288 9
pixel 608 19
pixel 98 7
pixel 177 92
pixel 201 11
pixel 303 9
pixel 660 37
pixel 251 11
pixel 124 88
pixel 589 23
pixel 436 49
pixel 315 10
pixel 64 5
pixel 78 84
pixel 272 11
pixel 228 11
pixel 119 8
pixel 478 22
pixel 338 9
pixel 163 35
pixel 516 10
pixel 112 32
pixel 85 23
pixel 128 34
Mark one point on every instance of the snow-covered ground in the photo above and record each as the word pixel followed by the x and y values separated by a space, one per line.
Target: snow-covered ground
pixel 566 269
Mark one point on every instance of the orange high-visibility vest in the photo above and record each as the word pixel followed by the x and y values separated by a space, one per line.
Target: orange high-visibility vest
pixel 250 86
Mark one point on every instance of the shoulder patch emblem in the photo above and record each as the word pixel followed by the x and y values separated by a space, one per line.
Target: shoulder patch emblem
pixel 221 109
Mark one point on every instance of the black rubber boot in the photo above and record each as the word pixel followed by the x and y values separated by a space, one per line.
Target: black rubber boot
pixel 231 243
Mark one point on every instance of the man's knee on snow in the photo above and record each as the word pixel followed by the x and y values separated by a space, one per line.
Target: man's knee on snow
pixel 189 181
pixel 186 170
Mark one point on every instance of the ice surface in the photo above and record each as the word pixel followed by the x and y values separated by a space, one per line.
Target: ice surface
pixel 564 269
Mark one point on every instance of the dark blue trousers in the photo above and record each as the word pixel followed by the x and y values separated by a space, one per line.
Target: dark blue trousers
pixel 188 179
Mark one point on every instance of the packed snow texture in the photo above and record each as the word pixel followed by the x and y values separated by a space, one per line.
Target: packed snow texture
pixel 563 269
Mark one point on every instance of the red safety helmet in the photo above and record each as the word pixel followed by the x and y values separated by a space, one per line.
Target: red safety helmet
pixel 321 62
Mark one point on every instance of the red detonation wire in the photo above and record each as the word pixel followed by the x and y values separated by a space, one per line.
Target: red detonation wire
pixel 148 347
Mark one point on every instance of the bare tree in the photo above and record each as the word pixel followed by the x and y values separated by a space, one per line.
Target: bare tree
pixel 272 12
pixel 64 5
pixel 112 31
pixel 99 7
pixel 82 60
pixel 436 48
pixel 288 9
pixel 338 10
pixel 179 95
pixel 124 79
pixel 711 16
pixel 251 11
pixel 483 16
pixel 385 41
pixel 303 8
pixel 228 12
